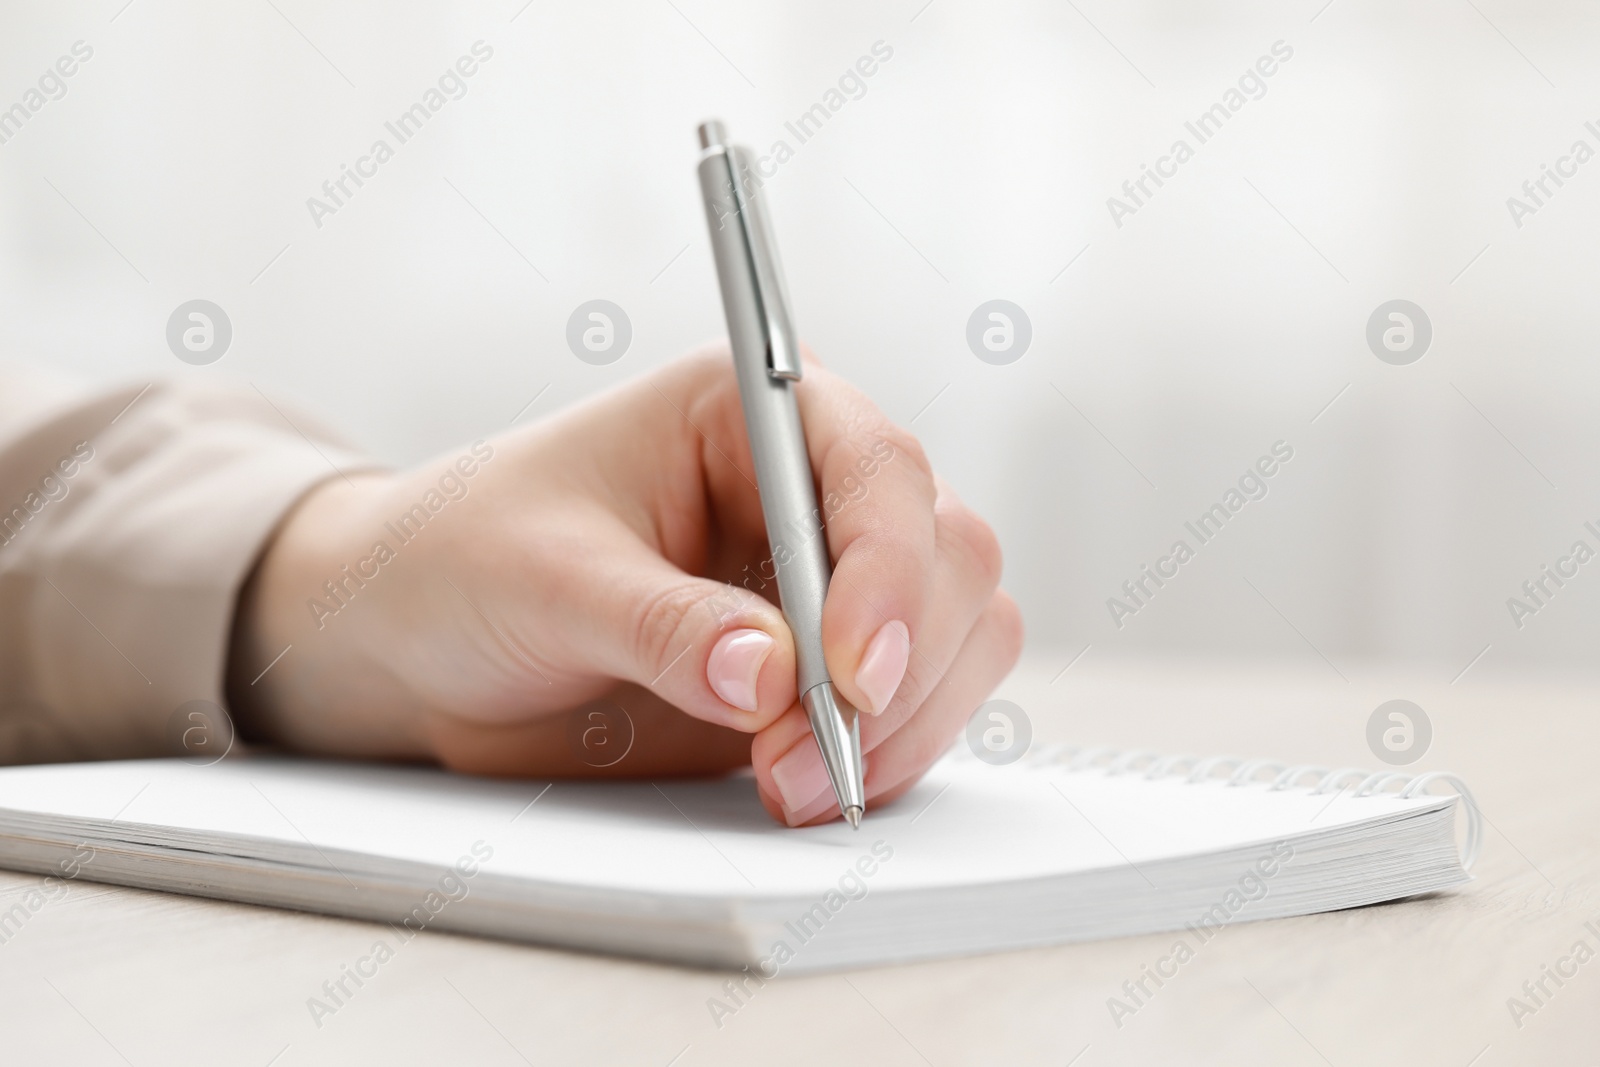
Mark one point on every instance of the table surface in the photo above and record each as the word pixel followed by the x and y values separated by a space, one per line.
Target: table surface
pixel 111 975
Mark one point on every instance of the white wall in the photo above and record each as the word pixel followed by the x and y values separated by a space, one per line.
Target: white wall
pixel 1220 318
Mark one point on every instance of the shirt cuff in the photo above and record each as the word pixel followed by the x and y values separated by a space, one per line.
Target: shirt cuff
pixel 120 589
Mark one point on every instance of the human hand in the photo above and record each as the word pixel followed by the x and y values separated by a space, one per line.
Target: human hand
pixel 614 557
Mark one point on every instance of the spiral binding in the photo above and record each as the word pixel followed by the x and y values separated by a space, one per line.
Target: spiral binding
pixel 1242 772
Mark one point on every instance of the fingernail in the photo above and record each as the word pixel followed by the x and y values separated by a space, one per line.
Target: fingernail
pixel 800 776
pixel 735 664
pixel 884 665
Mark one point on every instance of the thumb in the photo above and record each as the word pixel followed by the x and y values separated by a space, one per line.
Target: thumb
pixel 715 651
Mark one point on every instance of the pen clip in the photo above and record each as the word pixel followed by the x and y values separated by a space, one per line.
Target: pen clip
pixel 772 297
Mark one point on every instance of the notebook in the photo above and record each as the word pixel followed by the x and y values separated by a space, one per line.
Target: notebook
pixel 1065 845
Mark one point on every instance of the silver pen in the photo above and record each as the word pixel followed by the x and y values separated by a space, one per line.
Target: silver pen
pixel 766 357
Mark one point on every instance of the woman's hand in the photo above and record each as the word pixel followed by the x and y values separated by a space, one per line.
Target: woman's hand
pixel 603 579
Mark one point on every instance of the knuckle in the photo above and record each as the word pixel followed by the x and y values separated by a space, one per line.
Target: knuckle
pixel 885 446
pixel 659 628
pixel 973 540
pixel 1006 617
pixel 905 447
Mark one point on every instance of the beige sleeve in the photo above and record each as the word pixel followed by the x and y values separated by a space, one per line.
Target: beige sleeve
pixel 129 518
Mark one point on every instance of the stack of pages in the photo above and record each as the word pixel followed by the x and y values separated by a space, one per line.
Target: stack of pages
pixel 975 859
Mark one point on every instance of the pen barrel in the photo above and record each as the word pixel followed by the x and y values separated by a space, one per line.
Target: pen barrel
pixel 795 533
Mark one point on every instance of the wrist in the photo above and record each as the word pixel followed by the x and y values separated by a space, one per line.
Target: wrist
pixel 292 679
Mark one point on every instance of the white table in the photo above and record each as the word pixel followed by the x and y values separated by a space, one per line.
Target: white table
pixel 109 975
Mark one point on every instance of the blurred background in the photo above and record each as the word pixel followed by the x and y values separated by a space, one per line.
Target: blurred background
pixel 1172 343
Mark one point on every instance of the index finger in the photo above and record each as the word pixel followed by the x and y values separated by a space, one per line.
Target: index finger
pixel 876 491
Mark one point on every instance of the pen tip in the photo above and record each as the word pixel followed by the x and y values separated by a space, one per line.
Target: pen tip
pixel 853 813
